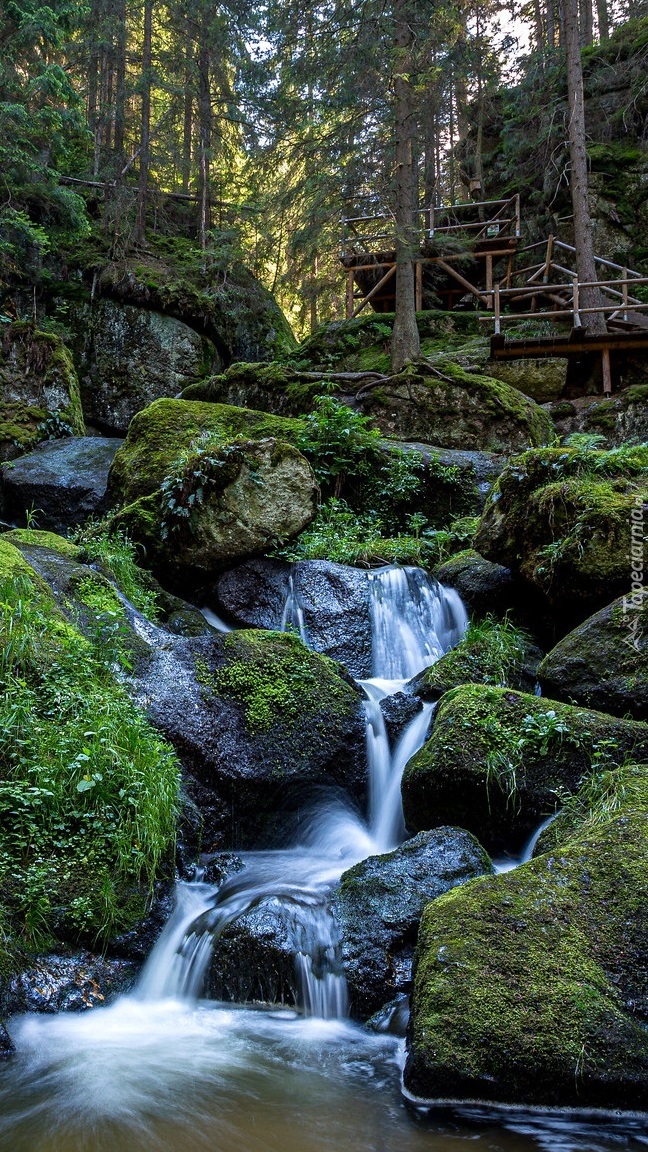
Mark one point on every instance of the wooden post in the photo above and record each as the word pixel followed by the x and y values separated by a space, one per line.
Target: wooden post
pixel 489 280
pixel 498 323
pixel 518 225
pixel 607 371
pixel 548 258
pixel 625 293
pixel 349 294
pixel 363 303
pixel 576 303
pixel 419 286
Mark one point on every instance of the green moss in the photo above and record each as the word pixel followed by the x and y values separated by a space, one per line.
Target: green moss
pixel 167 430
pixel 497 759
pixel 41 539
pixel 531 986
pixel 491 652
pixel 561 517
pixel 277 681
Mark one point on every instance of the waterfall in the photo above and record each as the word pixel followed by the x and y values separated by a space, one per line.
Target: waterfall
pixel 414 622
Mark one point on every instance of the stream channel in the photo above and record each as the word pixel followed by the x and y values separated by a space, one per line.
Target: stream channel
pixel 162 1069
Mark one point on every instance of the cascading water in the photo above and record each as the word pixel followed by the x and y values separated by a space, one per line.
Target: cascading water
pixel 414 621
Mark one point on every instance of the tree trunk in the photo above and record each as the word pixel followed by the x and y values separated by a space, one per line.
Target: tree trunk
pixel 204 131
pixel 120 82
pixel 187 119
pixel 603 19
pixel 405 345
pixel 583 241
pixel 586 23
pixel 142 198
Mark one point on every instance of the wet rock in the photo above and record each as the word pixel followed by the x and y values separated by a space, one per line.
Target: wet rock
pixel 68 983
pixel 137 943
pixel 63 482
pixel 617 419
pixel 39 390
pixel 531 987
pixel 7 1046
pixel 379 904
pixel 330 600
pixel 497 760
pixel 604 662
pixel 560 519
pixel 398 710
pixel 259 722
pixel 130 356
pixel 484 587
pixel 253 960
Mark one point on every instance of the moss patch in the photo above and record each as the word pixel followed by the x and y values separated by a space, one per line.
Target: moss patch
pixel 491 652
pixel 532 987
pixel 497 760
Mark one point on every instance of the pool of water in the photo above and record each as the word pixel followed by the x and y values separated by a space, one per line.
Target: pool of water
pixel 146 1075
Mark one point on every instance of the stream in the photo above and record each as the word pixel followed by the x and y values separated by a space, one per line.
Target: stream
pixel 163 1069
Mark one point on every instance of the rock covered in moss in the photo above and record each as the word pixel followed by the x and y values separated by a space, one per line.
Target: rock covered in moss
pixel 497 759
pixel 618 419
pixel 64 481
pixel 454 408
pixel 39 388
pixel 379 904
pixel 259 722
pixel 543 380
pixel 561 519
pixel 492 652
pixel 531 987
pixel 130 356
pixel 168 429
pixel 604 662
pixel 483 586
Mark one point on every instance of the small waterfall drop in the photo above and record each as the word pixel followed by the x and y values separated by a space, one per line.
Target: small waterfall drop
pixel 414 622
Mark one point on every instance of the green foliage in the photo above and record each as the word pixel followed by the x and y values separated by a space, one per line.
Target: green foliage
pixel 117 556
pixel 338 441
pixel 340 534
pixel 206 469
pixel 492 651
pixel 88 790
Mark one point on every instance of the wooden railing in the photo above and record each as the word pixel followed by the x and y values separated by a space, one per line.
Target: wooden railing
pixel 496 219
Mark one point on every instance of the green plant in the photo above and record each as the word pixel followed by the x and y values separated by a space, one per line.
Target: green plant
pixel 208 468
pixel 116 554
pixel 88 790
pixel 337 440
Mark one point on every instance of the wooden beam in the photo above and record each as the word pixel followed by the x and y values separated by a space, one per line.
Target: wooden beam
pixel 419 286
pixel 349 294
pixel 464 283
pixel 374 290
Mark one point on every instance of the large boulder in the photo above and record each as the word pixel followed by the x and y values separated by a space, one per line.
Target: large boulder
pixel 39 390
pixel 604 662
pixel 563 520
pixel 62 482
pixel 531 987
pixel 129 356
pixel 67 982
pixel 484 587
pixel 618 419
pixel 454 408
pixel 379 904
pixel 199 498
pixel 497 761
pixel 259 722
pixel 328 603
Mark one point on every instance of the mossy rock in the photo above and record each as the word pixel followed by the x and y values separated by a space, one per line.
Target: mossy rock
pixel 531 987
pixel 543 380
pixel 604 662
pixel 561 519
pixel 42 539
pixel 164 432
pixel 223 505
pixel 261 724
pixel 497 760
pixel 363 343
pixel 492 652
pixel 39 390
pixel 450 407
pixel 483 586
pixel 618 419
pixel 276 388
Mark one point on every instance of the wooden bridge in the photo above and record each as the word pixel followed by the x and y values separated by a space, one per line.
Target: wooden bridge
pixel 472 250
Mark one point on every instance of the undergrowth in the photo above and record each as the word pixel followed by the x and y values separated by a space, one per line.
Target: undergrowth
pixel 88 789
pixel 116 554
